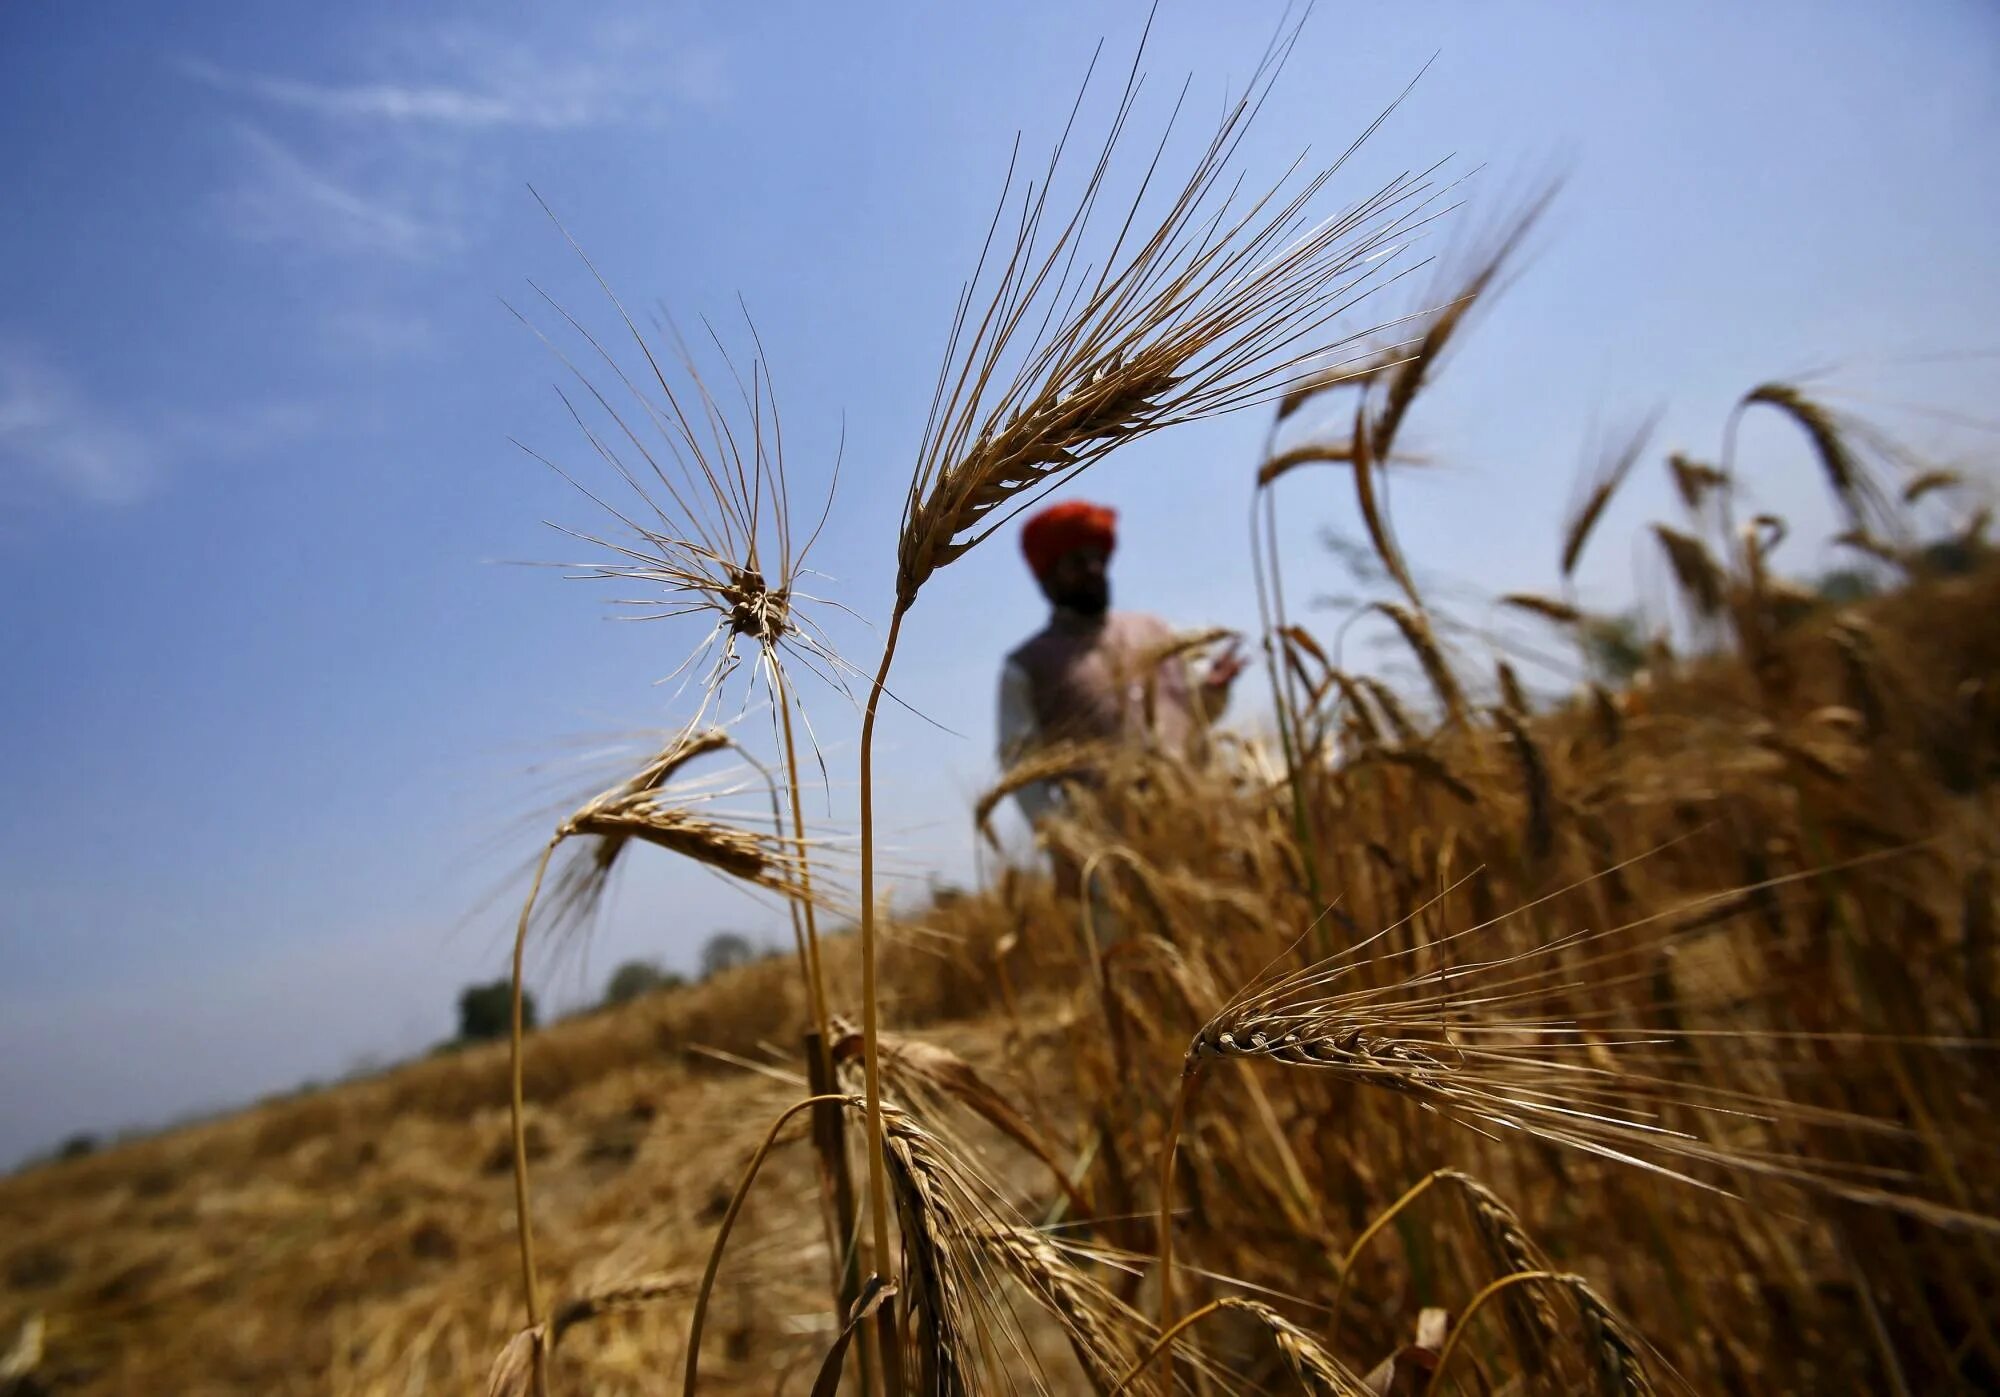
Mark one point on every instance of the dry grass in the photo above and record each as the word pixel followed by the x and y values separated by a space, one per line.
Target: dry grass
pixel 354 1240
pixel 1683 987
pixel 1681 1004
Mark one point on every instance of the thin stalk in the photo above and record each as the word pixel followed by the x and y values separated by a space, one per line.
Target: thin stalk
pixel 729 1222
pixel 839 1190
pixel 803 902
pixel 1301 806
pixel 1281 705
pixel 1410 1196
pixel 830 1140
pixel 515 1040
pixel 1171 1151
pixel 1435 1386
pixel 878 1177
pixel 1885 1348
pixel 1187 1320
pixel 792 895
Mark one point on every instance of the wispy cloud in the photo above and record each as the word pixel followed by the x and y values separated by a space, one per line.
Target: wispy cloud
pixel 282 197
pixel 377 332
pixel 384 101
pixel 238 433
pixel 380 163
pixel 52 433
pixel 56 436
pixel 625 75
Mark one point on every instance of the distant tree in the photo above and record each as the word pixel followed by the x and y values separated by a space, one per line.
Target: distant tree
pixel 638 977
pixel 725 951
pixel 1615 645
pixel 1953 557
pixel 486 1011
pixel 77 1146
pixel 1845 586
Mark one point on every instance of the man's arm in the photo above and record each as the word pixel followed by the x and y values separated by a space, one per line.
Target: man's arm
pixel 1213 691
pixel 1018 731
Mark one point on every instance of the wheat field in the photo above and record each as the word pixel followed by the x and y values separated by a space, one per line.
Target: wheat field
pixel 1447 1037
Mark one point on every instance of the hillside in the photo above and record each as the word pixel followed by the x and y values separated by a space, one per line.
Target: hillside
pixel 360 1239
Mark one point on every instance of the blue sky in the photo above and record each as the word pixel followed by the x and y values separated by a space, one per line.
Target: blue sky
pixel 273 713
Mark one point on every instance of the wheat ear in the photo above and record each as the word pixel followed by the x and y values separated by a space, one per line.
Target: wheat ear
pixel 1220 305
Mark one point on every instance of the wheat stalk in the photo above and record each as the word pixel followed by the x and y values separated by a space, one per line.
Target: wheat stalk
pixel 1841 464
pixel 728 1223
pixel 1416 632
pixel 1927 482
pixel 1052 762
pixel 915 1070
pixel 1218 306
pixel 940 1305
pixel 643 808
pixel 1461 290
pixel 1693 480
pixel 1701 580
pixel 1611 472
pixel 1211 306
pixel 1428 765
pixel 1512 1250
pixel 711 535
pixel 1355 370
pixel 1548 608
pixel 1446 1039
pixel 1354 695
pixel 1614 1350
pixel 1318 1372
pixel 749 855
pixel 1392 709
pixel 615 1298
pixel 1102 1331
pixel 1540 833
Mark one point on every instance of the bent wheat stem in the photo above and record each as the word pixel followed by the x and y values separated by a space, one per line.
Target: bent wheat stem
pixel 728 1223
pixel 815 978
pixel 1186 1321
pixel 1183 1096
pixel 878 1177
pixel 1478 1301
pixel 515 1036
pixel 1410 1195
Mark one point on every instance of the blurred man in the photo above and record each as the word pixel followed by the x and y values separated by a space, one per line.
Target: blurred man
pixel 1094 674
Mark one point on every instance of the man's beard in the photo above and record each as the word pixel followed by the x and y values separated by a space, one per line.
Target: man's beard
pixel 1091 599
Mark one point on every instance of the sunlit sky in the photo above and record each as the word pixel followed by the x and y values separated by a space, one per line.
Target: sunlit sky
pixel 276 712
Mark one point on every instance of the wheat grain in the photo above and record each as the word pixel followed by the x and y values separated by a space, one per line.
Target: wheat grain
pixel 1392 709
pixel 1461 292
pixel 1693 480
pixel 1611 473
pixel 1103 1332
pixel 1540 833
pixel 1216 307
pixel 1417 634
pixel 1701 580
pixel 1318 1372
pixel 1928 482
pixel 1548 608
pixel 1510 1249
pixel 1842 465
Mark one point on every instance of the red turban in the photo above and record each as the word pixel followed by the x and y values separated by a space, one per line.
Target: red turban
pixel 1054 531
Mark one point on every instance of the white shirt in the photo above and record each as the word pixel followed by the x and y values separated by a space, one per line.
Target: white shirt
pixel 1018 729
pixel 1018 726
